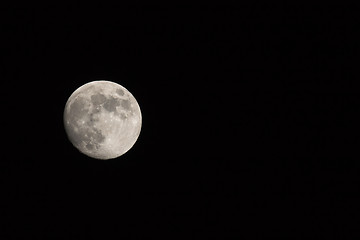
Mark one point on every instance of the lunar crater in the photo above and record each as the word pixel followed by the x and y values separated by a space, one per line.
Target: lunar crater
pixel 120 91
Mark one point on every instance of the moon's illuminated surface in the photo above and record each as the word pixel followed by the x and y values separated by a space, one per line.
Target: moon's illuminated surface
pixel 102 119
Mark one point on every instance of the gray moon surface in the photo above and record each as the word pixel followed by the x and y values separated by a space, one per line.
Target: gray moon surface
pixel 102 119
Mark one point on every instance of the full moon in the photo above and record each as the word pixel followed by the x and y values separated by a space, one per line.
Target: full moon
pixel 102 119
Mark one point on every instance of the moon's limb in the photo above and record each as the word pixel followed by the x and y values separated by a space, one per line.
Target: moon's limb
pixel 102 119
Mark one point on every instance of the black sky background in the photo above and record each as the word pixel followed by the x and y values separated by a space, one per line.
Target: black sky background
pixel 250 122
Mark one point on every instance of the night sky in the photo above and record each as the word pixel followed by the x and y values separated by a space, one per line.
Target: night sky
pixel 250 122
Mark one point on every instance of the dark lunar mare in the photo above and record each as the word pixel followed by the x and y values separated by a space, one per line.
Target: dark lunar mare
pixel 88 134
pixel 111 104
pixel 98 99
pixel 126 104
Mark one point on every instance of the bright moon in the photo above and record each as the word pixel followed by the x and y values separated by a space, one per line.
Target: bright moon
pixel 102 119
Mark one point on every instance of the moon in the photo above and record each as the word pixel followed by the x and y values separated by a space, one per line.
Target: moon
pixel 102 119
